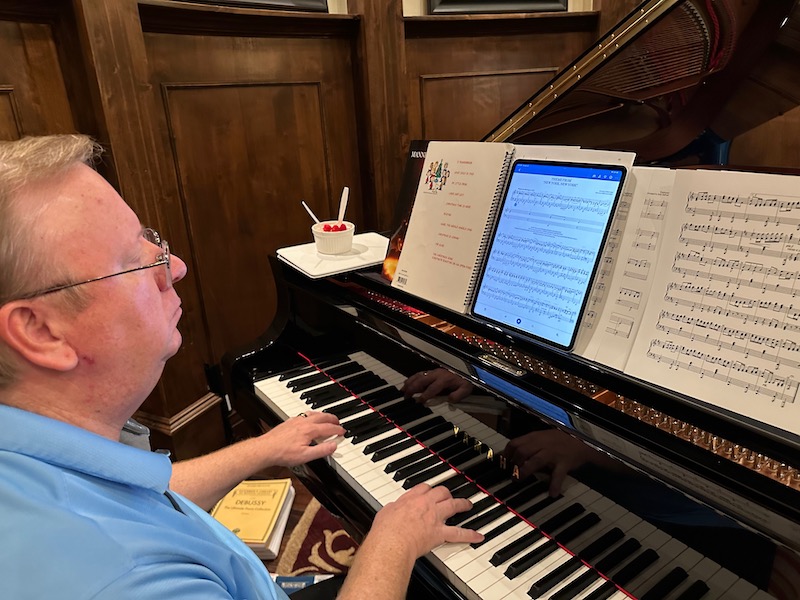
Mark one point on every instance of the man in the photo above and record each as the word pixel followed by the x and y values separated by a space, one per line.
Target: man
pixel 88 318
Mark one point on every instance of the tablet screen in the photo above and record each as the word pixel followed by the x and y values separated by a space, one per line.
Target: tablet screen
pixel 546 246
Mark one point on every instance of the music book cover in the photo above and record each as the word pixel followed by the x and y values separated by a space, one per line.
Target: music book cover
pixel 456 198
pixel 257 512
pixel 415 163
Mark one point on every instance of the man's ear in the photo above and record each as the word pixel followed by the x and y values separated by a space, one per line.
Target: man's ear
pixel 31 329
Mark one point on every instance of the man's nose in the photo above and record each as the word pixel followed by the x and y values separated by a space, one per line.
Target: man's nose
pixel 178 268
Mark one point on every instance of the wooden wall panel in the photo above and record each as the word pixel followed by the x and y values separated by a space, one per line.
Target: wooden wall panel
pixel 252 134
pixel 487 97
pixel 35 96
pixel 242 184
pixel 464 77
pixel 10 126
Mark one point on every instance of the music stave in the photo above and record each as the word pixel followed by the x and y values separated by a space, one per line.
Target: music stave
pixel 756 345
pixel 763 381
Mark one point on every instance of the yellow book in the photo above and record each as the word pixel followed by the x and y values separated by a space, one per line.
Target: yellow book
pixel 257 512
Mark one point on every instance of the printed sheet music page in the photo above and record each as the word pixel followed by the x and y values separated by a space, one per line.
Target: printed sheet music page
pixel 622 287
pixel 723 321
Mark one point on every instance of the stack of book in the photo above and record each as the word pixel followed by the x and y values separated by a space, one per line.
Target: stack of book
pixel 257 512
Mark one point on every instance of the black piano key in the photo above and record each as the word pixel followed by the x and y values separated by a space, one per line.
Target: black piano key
pixel 465 491
pixel 515 547
pixel 302 383
pixel 604 591
pixel 378 397
pixel 695 591
pixel 416 467
pixel 604 565
pixel 666 584
pixel 603 543
pixel 562 517
pixel 554 577
pixel 346 409
pixel 415 431
pixel 458 455
pixel 492 478
pixel 423 476
pixel 625 574
pixel 574 587
pixel 479 521
pixel 480 506
pixel 412 414
pixel 359 384
pixel 431 431
pixel 526 489
pixel 508 524
pixel 296 372
pixel 456 482
pixel 446 442
pixel 579 527
pixel 495 531
pixel 363 424
pixel 525 562
pixel 319 392
pixel 519 566
pixel 342 371
pixel 384 443
pixel 336 388
pixel 539 506
pixel 402 405
pixel 335 393
pixel 515 503
pixel 407 460
pixel 597 547
pixel 394 449
pixel 619 554
pixel 326 362
pixel 363 437
pixel 477 471
pixel 425 425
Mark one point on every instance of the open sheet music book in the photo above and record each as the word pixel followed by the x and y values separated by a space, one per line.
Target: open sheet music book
pixel 455 209
pixel 702 291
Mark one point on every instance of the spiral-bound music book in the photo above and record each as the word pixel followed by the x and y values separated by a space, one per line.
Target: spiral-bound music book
pixel 454 208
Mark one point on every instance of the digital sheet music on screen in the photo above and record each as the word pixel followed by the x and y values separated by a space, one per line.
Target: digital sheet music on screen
pixel 546 246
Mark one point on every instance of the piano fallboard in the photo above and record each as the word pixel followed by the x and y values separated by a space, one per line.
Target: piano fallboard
pixel 703 506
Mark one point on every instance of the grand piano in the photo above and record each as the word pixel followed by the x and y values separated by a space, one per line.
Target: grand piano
pixel 683 501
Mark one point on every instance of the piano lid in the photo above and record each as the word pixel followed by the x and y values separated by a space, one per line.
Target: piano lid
pixel 663 76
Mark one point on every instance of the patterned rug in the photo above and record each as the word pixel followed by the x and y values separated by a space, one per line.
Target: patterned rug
pixel 318 544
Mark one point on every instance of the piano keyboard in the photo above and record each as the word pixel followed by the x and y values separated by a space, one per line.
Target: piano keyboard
pixel 393 443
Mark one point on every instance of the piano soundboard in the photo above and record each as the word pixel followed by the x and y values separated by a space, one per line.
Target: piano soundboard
pixel 580 545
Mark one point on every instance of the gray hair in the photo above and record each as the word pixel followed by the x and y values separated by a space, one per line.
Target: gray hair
pixel 22 267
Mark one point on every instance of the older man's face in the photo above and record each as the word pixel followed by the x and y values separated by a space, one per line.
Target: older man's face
pixel 129 329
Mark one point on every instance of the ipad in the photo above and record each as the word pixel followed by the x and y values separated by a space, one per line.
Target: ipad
pixel 546 246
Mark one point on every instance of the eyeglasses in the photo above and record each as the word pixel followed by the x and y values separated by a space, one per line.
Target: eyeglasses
pixel 151 235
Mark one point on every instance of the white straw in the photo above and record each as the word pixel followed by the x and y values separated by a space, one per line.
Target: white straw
pixel 309 211
pixel 343 203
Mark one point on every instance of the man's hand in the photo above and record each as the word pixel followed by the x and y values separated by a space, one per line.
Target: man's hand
pixel 434 383
pixel 415 523
pixel 302 439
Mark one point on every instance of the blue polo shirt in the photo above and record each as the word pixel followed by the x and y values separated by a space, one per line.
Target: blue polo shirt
pixel 82 516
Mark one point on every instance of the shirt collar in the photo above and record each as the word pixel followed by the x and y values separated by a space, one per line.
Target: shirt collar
pixel 76 449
